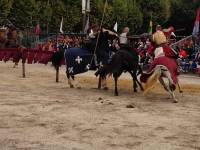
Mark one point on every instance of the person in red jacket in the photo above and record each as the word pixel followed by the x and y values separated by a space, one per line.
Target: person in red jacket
pixel 164 54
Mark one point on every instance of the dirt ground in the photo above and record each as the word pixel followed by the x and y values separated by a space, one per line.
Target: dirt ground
pixel 36 113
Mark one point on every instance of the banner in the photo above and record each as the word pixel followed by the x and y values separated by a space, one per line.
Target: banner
pixel 115 27
pixel 61 26
pixel 85 6
pixel 150 27
pixel 87 25
pixel 196 23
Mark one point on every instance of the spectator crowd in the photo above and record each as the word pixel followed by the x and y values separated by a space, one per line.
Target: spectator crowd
pixel 189 50
pixel 53 44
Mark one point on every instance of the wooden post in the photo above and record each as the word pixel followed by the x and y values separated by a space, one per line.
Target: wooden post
pixel 23 70
pixel 57 74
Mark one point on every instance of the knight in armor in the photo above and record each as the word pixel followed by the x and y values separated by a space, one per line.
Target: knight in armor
pixel 101 37
pixel 164 54
pixel 161 44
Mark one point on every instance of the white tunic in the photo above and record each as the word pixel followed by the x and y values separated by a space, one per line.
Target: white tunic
pixel 159 52
pixel 123 38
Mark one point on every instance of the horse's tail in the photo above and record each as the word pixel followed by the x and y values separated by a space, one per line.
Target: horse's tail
pixel 57 58
pixel 152 79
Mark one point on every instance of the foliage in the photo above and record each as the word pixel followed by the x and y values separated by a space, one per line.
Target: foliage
pixel 5 6
pixel 135 14
pixel 158 10
pixel 22 13
pixel 183 14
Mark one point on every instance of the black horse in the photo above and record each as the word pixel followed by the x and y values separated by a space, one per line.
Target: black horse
pixel 122 61
pixel 89 57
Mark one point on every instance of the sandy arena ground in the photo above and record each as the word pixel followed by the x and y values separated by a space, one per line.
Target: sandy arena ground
pixel 38 114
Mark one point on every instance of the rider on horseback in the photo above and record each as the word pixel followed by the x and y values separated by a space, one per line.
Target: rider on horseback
pixel 123 39
pixel 164 55
pixel 124 42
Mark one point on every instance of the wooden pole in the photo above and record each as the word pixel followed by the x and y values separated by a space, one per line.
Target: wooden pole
pixel 57 74
pixel 23 70
pixel 85 15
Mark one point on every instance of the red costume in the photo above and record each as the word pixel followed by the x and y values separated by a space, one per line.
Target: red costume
pixel 165 55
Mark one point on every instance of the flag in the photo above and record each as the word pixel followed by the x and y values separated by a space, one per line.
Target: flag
pixel 37 30
pixel 87 25
pixel 115 27
pixel 61 26
pixel 196 23
pixel 85 6
pixel 150 27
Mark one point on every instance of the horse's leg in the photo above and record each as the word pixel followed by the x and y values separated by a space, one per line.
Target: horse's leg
pixel 15 65
pixel 99 83
pixel 69 77
pixel 135 85
pixel 179 88
pixel 142 89
pixel 116 90
pixel 135 82
pixel 163 84
pixel 104 83
pixel 169 87
pixel 175 100
pixel 76 83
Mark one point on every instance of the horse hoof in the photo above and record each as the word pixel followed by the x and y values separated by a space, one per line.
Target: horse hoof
pixel 71 86
pixel 105 88
pixel 15 66
pixel 78 87
pixel 116 94
pixel 135 91
pixel 175 101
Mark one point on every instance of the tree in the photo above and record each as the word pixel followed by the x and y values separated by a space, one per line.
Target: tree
pixel 135 16
pixel 125 12
pixel 22 13
pixel 44 14
pixel 183 14
pixel 5 6
pixel 133 13
pixel 57 13
pixel 159 10
pixel 72 16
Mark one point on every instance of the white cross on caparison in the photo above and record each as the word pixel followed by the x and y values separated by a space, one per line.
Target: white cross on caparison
pixel 71 70
pixel 88 66
pixel 78 59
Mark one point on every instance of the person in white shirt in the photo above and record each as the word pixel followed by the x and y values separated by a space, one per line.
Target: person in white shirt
pixel 123 39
